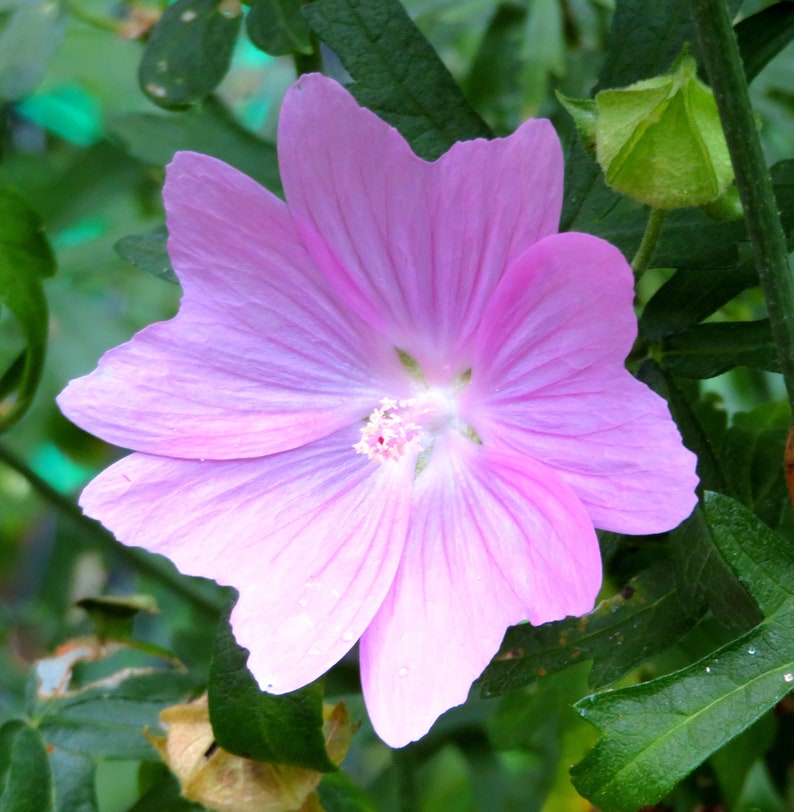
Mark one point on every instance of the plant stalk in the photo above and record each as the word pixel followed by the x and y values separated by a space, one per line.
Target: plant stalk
pixel 726 74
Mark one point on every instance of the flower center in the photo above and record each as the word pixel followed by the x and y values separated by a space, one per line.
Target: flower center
pixel 408 426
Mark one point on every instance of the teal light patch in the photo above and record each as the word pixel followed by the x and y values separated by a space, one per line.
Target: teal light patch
pixel 65 475
pixel 91 228
pixel 69 112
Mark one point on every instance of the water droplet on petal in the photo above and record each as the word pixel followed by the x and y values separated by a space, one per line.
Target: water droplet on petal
pixel 314 652
pixel 302 602
pixel 348 636
pixel 403 672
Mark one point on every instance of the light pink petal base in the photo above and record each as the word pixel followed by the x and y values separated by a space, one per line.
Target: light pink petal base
pixel 415 248
pixel 311 538
pixel 549 381
pixel 261 357
pixel 494 539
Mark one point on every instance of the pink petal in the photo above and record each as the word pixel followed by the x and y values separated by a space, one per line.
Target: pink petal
pixel 310 538
pixel 416 248
pixel 261 356
pixel 494 539
pixel 549 380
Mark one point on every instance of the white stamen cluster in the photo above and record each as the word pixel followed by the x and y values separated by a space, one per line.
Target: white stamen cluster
pixel 392 431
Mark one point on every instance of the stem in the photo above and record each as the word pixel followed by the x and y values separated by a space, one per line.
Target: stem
pixel 650 239
pixel 724 67
pixel 406 763
pixel 141 561
pixel 309 63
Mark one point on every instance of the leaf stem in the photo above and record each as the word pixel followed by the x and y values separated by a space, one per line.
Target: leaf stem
pixel 143 562
pixel 724 67
pixel 650 239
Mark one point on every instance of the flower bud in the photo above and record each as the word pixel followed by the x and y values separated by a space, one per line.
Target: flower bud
pixel 660 141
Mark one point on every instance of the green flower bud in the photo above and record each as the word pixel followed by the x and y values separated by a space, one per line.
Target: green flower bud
pixel 660 141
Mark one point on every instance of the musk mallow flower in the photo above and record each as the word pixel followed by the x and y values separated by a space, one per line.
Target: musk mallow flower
pixel 390 410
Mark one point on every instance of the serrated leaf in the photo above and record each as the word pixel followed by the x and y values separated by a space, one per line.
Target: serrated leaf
pixel 760 557
pixel 658 732
pixel 283 729
pixel 30 33
pixel 764 35
pixel 710 349
pixel 149 252
pixel 277 27
pixel 703 577
pixel 644 618
pixel 73 781
pixel 189 51
pixel 25 259
pixel 209 128
pixel 106 719
pixel 25 780
pixel 396 72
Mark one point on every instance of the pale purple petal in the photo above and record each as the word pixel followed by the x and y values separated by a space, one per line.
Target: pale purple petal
pixel 494 539
pixel 311 538
pixel 549 380
pixel 416 248
pixel 261 356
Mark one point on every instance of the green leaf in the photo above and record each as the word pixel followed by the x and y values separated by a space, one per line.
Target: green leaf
pixel 657 732
pixel 688 297
pixel 761 558
pixel 107 719
pixel 25 259
pixel 493 84
pixel 703 576
pixel 73 781
pixel 752 453
pixel 764 35
pixel 149 252
pixel 701 424
pixel 338 793
pixel 154 138
pixel 113 616
pixel 30 33
pixel 646 617
pixel 189 51
pixel 277 27
pixel 25 779
pixel 396 72
pixel 711 349
pixel 285 729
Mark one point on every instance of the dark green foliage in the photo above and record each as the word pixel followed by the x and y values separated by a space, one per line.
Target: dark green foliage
pixel 284 729
pixel 189 51
pixel 396 72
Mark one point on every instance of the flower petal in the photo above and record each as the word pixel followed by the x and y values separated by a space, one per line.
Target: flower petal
pixel 310 538
pixel 261 357
pixel 549 380
pixel 416 248
pixel 494 539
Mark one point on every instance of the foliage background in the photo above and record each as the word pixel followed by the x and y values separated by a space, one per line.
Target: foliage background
pixel 85 148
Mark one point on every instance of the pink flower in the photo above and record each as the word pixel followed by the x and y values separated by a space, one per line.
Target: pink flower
pixel 390 410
